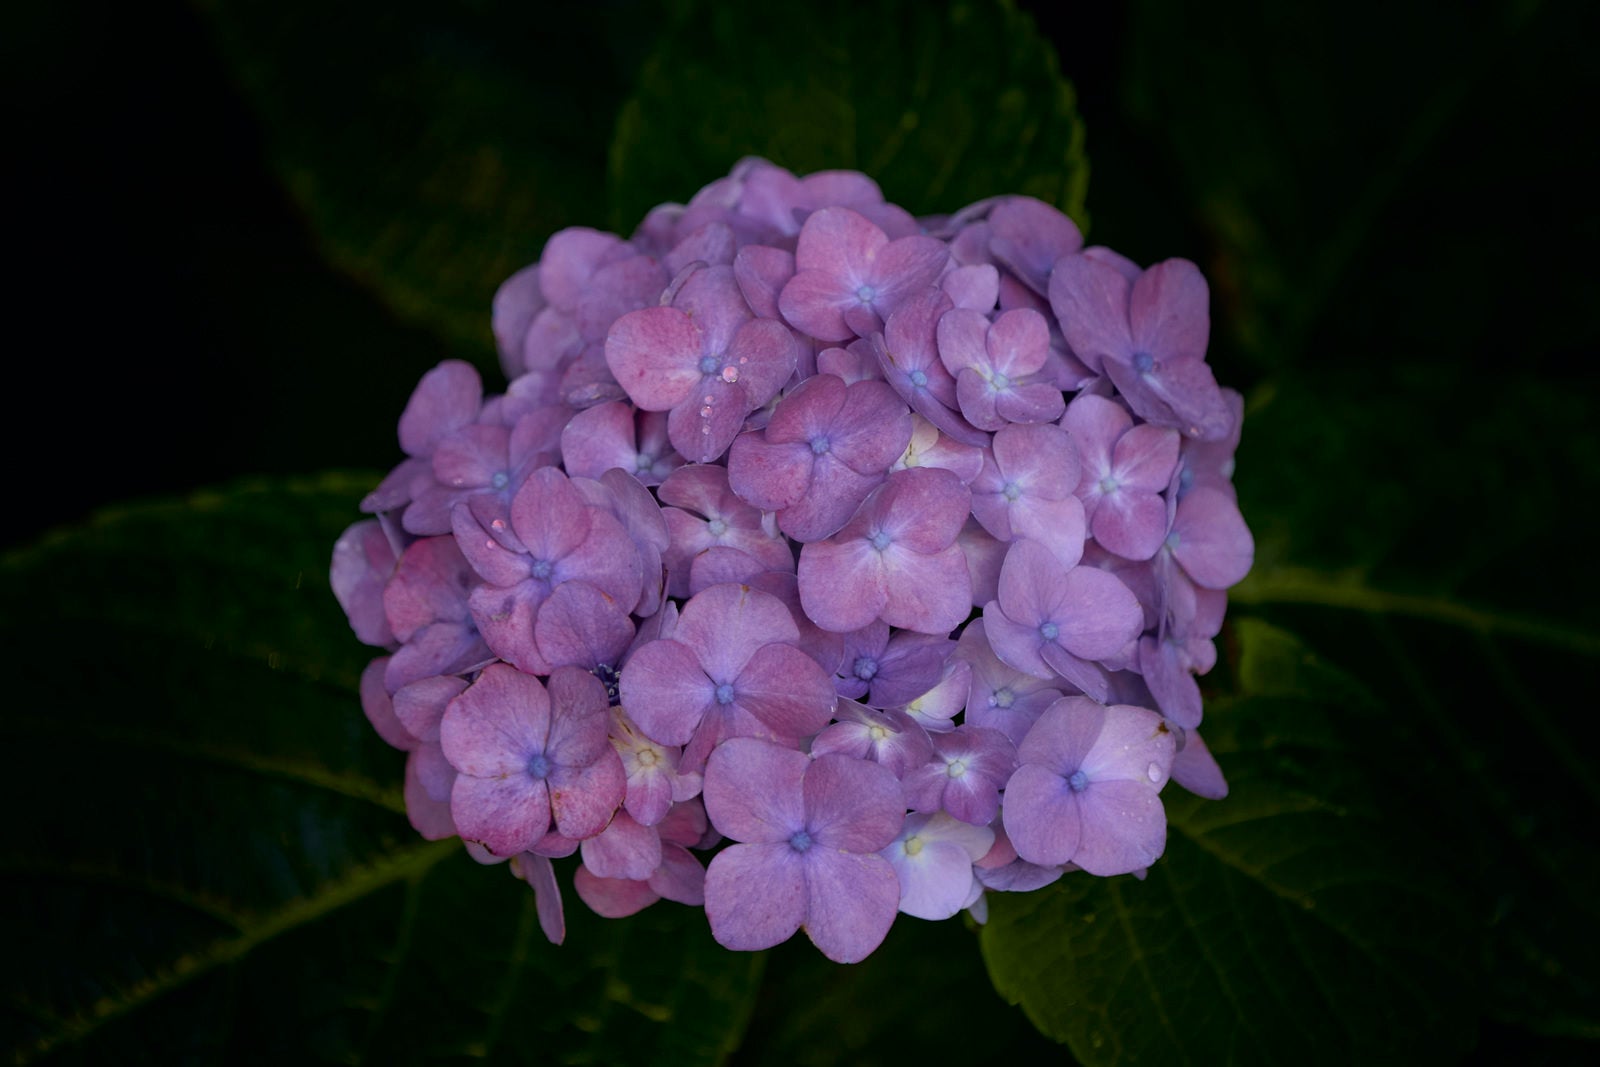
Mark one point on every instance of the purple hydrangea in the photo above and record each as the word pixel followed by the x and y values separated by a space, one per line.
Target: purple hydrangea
pixel 816 564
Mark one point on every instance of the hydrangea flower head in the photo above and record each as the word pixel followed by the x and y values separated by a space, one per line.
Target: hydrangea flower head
pixel 816 565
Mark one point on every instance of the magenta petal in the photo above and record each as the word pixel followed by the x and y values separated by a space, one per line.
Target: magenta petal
pixel 429 815
pixel 786 690
pixel 762 273
pixel 1130 523
pixel 703 426
pixel 583 801
pixel 549 515
pixel 814 302
pixel 1176 692
pixel 539 874
pixel 852 804
pixel 752 790
pixel 1015 644
pixel 379 707
pixel 446 399
pixel 497 724
pixel 612 898
pixel 579 717
pixel 599 438
pixel 1134 745
pixel 505 618
pixel 1124 828
pixel 581 626
pixel 420 706
pixel 1041 816
pixel 851 901
pixel 487 542
pixel 755 895
pixel 1196 770
pixel 504 815
pixel 761 358
pixel 769 476
pixel 680 877
pixel 1104 614
pixel 843 585
pixel 1212 542
pixel 1090 300
pixel 654 354
pixel 726 624
pixel 931 594
pixel 1169 310
pixel 623 850
pixel 666 692
pixel 1064 735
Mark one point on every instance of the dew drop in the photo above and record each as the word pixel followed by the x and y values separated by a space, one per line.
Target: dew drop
pixel 730 374
pixel 1153 772
pixel 498 524
pixel 705 412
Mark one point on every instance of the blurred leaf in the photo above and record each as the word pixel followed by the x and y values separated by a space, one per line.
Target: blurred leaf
pixel 435 147
pixel 885 1010
pixel 214 861
pixel 1336 153
pixel 942 105
pixel 1289 922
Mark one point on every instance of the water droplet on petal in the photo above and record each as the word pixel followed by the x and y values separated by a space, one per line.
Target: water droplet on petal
pixel 730 374
pixel 1154 772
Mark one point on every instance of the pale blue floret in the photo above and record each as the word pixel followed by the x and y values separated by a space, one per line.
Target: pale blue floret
pixel 800 841
pixel 1078 782
pixel 866 293
pixel 820 445
pixel 539 766
pixel 540 568
pixel 880 540
pixel 500 480
pixel 866 668
pixel 708 364
pixel 1049 631
pixel 724 693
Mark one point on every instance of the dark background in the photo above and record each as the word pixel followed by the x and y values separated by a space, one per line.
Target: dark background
pixel 179 325
pixel 1395 206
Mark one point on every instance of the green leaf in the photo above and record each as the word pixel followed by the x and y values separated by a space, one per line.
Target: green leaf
pixel 942 105
pixel 1289 921
pixel 209 857
pixel 434 148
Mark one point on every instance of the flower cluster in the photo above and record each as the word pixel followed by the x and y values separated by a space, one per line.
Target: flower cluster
pixel 819 563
